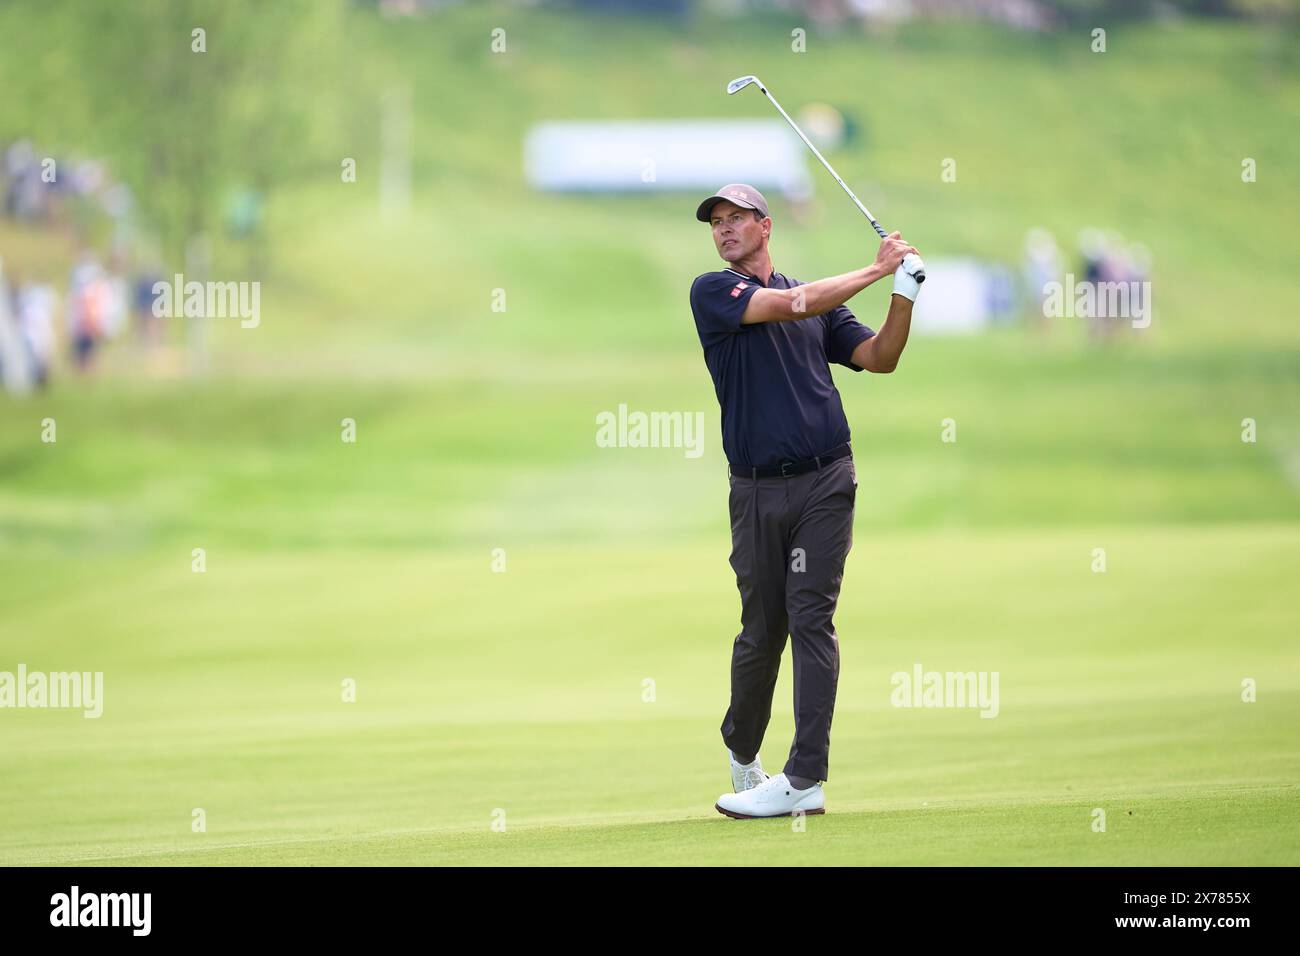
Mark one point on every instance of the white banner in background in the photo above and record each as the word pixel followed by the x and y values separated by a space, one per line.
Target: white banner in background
pixel 615 156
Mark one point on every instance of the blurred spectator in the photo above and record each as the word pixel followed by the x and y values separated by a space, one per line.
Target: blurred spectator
pixel 25 193
pixel 1042 264
pixel 1138 259
pixel 117 298
pixel 87 308
pixel 15 365
pixel 1109 263
pixel 35 310
pixel 1000 293
pixel 1092 252
pixel 148 327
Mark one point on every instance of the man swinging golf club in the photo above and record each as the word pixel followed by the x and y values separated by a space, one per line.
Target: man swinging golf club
pixel 768 343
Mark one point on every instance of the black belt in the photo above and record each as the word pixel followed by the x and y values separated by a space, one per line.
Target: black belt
pixel 788 469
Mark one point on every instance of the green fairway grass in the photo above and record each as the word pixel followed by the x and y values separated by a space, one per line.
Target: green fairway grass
pixel 522 692
pixel 502 716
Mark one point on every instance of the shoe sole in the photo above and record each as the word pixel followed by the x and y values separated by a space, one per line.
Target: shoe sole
pixel 770 816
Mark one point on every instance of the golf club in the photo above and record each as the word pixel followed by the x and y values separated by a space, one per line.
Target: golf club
pixel 915 267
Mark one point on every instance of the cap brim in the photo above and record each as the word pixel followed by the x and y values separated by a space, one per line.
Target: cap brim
pixel 702 214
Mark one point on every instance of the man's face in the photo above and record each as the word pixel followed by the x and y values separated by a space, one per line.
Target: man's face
pixel 736 232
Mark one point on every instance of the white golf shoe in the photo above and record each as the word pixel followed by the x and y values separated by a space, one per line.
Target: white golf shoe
pixel 772 798
pixel 746 776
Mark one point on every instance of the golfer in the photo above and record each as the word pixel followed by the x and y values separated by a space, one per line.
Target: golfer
pixel 768 343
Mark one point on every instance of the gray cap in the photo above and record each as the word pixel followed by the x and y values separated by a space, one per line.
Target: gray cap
pixel 741 194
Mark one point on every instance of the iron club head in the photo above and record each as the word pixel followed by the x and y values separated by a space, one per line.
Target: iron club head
pixel 740 82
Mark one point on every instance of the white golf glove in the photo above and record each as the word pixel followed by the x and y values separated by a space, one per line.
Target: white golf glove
pixel 908 276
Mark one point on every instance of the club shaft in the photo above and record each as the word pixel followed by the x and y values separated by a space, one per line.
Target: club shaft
pixel 807 142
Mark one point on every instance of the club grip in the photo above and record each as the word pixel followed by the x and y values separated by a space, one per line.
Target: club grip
pixel 914 267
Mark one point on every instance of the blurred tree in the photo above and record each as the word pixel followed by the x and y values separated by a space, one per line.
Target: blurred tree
pixel 252 104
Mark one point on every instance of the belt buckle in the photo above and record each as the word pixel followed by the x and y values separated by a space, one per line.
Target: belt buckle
pixel 784 466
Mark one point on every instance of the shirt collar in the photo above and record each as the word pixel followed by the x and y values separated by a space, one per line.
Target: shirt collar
pixel 754 278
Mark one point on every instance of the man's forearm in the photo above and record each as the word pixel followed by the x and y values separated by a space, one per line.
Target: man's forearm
pixel 815 298
pixel 882 351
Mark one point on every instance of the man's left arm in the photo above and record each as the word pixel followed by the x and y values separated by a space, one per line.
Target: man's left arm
pixel 881 352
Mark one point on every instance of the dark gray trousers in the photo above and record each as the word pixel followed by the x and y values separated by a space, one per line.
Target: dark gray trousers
pixel 790 538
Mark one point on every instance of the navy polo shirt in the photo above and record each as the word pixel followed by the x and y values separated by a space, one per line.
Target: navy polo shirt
pixel 773 379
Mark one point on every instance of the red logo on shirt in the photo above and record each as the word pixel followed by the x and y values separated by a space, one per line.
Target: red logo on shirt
pixel 740 287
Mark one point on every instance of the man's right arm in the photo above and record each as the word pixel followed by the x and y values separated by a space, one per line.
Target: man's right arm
pixel 815 298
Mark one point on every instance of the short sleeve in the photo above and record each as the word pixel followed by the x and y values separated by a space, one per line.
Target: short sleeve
pixel 718 300
pixel 844 334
